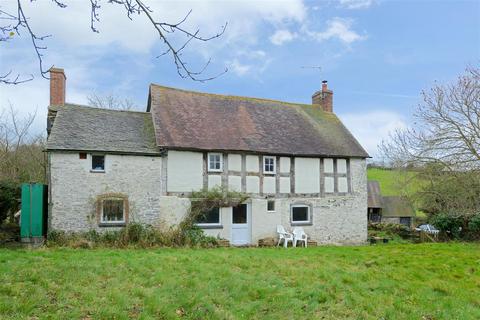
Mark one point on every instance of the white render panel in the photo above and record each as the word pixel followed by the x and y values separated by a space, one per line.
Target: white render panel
pixel 269 185
pixel 235 162
pixel 341 166
pixel 284 185
pixel 184 171
pixel 329 184
pixel 214 180
pixel 328 165
pixel 342 184
pixel 253 184
pixel 307 175
pixel 252 163
pixel 75 190
pixel 235 183
pixel 284 165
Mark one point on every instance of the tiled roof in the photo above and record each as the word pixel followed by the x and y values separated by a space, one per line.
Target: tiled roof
pixel 395 206
pixel 200 121
pixel 92 129
pixel 374 194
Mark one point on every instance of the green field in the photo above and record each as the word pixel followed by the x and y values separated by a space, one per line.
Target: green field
pixel 424 281
pixel 393 182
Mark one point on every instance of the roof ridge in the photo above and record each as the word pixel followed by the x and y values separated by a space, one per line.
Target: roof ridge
pixel 232 96
pixel 76 105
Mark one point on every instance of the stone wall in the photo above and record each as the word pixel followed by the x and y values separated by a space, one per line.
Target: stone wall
pixel 74 188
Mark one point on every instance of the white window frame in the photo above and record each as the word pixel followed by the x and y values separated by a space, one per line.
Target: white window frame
pixel 104 162
pixel 274 164
pixel 274 205
pixel 221 161
pixel 309 214
pixel 113 222
pixel 217 224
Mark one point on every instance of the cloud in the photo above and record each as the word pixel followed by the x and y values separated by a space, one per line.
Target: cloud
pixel 337 28
pixel 356 4
pixel 282 36
pixel 239 68
pixel 370 128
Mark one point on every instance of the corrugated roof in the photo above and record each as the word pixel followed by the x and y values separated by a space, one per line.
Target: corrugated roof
pixel 395 206
pixel 193 120
pixel 93 129
pixel 374 194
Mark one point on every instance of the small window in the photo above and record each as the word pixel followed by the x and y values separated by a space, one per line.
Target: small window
pixel 82 155
pixel 113 211
pixel 406 221
pixel 300 214
pixel 210 217
pixel 215 162
pixel 269 165
pixel 98 163
pixel 271 205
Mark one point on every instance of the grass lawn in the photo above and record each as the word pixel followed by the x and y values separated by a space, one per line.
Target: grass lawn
pixel 423 281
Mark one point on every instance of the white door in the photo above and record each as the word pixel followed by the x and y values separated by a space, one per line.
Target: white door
pixel 241 218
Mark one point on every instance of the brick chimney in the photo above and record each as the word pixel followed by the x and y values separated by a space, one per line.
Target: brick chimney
pixel 323 99
pixel 57 95
pixel 57 87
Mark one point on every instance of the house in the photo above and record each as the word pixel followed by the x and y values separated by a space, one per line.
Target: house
pixel 298 163
pixel 388 209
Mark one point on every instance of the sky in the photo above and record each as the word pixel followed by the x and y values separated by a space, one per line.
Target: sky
pixel 377 55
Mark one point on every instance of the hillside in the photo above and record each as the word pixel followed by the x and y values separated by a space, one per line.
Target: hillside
pixel 394 182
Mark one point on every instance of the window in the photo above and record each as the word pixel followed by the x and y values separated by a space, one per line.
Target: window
pixel 300 214
pixel 209 218
pixel 406 221
pixel 113 211
pixel 269 165
pixel 271 205
pixel 98 163
pixel 82 155
pixel 239 214
pixel 215 162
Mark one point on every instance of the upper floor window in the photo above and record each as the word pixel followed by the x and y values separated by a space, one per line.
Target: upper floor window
pixel 215 163
pixel 98 163
pixel 269 165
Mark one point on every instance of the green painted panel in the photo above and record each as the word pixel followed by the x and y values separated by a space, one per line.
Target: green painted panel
pixel 33 210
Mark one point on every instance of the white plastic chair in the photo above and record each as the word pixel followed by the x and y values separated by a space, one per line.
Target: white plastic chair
pixel 284 235
pixel 299 236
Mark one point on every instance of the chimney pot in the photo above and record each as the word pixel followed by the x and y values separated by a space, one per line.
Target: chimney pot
pixel 57 86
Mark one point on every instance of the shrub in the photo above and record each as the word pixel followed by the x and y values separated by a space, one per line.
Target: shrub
pixel 474 226
pixel 390 230
pixel 9 232
pixel 449 224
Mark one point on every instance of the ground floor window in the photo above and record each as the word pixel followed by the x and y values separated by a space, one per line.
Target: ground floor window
pixel 406 221
pixel 374 215
pixel 300 214
pixel 113 211
pixel 211 217
pixel 271 205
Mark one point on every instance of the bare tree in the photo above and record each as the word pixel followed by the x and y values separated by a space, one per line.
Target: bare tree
pixel 21 154
pixel 111 101
pixel 440 154
pixel 15 23
pixel 446 128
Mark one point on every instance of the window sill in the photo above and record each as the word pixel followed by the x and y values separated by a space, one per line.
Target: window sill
pixel 97 171
pixel 306 223
pixel 116 224
pixel 269 173
pixel 210 226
